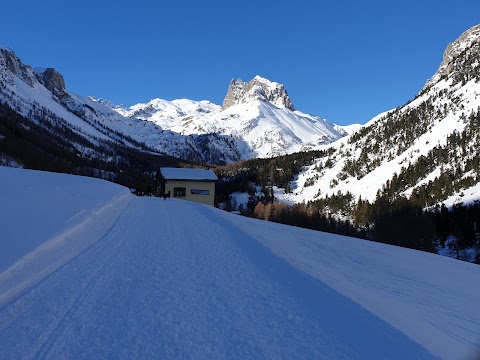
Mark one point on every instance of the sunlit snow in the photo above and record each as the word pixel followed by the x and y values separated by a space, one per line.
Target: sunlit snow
pixel 88 270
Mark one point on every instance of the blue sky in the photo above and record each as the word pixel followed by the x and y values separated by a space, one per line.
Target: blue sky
pixel 345 61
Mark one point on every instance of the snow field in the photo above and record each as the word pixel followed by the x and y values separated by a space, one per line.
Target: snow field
pixel 431 298
pixel 171 281
pixel 48 219
pixel 144 277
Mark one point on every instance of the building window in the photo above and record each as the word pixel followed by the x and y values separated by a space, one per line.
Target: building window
pixel 199 192
pixel 179 191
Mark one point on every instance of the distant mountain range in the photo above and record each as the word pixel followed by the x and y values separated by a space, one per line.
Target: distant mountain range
pixel 257 120
pixel 257 116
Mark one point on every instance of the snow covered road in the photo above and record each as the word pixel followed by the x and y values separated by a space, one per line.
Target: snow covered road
pixel 172 279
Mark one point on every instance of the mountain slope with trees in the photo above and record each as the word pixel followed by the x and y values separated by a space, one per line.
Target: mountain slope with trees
pixel 426 150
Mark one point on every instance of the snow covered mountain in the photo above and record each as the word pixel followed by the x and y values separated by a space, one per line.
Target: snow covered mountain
pixel 260 122
pixel 41 96
pixel 427 150
pixel 258 115
pixel 99 273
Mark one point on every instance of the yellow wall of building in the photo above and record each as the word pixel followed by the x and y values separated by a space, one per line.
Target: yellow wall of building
pixel 193 185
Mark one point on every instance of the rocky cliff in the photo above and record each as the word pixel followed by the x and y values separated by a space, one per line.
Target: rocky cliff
pixel 461 58
pixel 258 88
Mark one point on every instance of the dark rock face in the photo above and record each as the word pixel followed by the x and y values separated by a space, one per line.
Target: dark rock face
pixel 53 81
pixel 258 88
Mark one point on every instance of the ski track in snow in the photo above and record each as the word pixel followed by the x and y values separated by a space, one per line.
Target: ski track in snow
pixel 164 282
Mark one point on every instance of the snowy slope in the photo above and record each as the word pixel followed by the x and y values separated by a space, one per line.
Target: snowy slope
pixel 375 153
pixel 147 283
pixel 72 199
pixel 332 180
pixel 348 129
pixel 47 219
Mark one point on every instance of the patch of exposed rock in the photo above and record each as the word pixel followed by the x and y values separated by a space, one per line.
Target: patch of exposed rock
pixel 258 88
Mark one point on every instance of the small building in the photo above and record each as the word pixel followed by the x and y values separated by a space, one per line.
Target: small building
pixel 190 184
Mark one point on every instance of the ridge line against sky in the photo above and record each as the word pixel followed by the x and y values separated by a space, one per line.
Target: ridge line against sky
pixel 345 61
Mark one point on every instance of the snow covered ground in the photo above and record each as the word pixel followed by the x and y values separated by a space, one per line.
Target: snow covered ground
pixel 94 272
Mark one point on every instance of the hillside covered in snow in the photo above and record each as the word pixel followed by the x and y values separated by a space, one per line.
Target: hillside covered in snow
pixel 101 273
pixel 427 149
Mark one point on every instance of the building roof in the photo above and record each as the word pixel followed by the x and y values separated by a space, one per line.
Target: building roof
pixel 188 174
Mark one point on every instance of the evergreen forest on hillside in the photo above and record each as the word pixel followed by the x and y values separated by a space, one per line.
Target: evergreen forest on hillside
pixel 51 144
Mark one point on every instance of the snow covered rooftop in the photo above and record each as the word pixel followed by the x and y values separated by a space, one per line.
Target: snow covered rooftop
pixel 188 174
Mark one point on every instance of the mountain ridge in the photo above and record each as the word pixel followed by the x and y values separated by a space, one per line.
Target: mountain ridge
pixel 192 130
pixel 259 112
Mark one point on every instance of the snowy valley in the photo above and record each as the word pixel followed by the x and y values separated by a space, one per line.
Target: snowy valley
pixel 417 164
pixel 337 255
pixel 427 148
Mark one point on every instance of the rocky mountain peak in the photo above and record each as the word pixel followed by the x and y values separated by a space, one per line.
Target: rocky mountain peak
pixel 10 66
pixel 258 88
pixel 457 55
